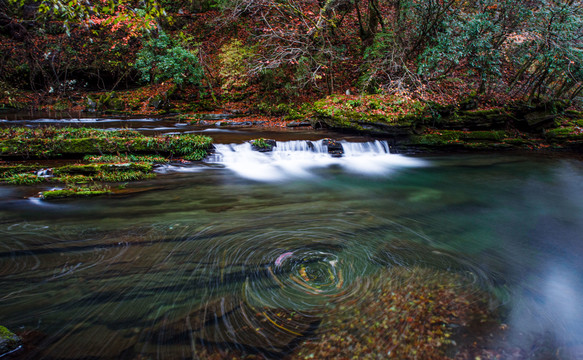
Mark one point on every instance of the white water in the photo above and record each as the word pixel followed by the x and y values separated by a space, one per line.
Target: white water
pixel 299 159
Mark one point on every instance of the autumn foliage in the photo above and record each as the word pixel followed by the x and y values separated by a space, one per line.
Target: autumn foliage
pixel 295 50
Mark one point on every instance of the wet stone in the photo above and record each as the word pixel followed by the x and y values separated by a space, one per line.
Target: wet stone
pixel 8 341
pixel 263 145
pixel 334 147
pixel 294 124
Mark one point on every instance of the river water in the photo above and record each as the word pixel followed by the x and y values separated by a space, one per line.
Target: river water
pixel 181 261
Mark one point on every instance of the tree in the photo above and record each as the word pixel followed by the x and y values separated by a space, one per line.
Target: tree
pixel 87 12
pixel 548 54
pixel 70 31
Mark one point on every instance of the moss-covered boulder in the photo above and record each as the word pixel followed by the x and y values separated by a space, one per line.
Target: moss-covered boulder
pixel 372 114
pixel 8 341
pixel 263 145
pixel 484 140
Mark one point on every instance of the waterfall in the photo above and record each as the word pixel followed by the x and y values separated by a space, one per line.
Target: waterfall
pixel 290 160
pixel 44 173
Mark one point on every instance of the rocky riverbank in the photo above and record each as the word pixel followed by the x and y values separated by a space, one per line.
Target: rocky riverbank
pixel 434 127
pixel 86 161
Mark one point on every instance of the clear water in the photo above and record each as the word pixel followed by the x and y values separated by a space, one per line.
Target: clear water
pixel 189 258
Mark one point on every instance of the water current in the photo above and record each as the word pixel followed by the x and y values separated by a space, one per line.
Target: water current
pixel 252 251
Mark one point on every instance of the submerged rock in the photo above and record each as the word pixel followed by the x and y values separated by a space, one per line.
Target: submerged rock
pixel 8 341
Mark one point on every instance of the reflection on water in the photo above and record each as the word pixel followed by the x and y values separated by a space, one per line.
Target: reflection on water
pixel 215 258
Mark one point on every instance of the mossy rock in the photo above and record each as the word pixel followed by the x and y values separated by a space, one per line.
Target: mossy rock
pixel 110 101
pixel 520 142
pixel 263 145
pixel 9 170
pixel 565 133
pixel 466 139
pixel 52 142
pixel 90 169
pixel 78 173
pixel 369 114
pixel 8 341
pixel 63 194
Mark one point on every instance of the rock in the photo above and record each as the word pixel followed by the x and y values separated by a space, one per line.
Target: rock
pixel 156 103
pixel 538 120
pixel 263 145
pixel 334 147
pixel 534 118
pixel 470 103
pixel 91 105
pixel 8 341
pixel 214 117
pixel 294 124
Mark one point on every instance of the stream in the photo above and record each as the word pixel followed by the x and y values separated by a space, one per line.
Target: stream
pixel 186 260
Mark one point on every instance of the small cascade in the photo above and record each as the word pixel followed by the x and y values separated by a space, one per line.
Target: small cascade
pixel 44 173
pixel 300 146
pixel 375 147
pixel 290 160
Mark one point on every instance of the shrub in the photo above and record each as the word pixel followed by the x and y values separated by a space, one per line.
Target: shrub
pixel 163 58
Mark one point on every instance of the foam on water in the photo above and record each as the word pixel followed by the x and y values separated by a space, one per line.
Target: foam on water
pixel 299 159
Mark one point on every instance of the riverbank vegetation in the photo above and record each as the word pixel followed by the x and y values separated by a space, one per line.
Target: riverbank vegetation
pixel 264 56
pixel 51 142
pixel 86 159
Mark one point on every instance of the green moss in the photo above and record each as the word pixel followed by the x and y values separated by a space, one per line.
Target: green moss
pixel 565 133
pixel 73 193
pixel 8 341
pixel 91 169
pixel 368 113
pixel 8 170
pixel 469 139
pixel 261 143
pixel 126 158
pixel 73 179
pixel 481 113
pixel 196 155
pixel 79 173
pixel 518 141
pixel 23 179
pixel 483 135
pixel 289 111
pixel 124 176
pixel 5 333
pixel 52 142
pixel 574 113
